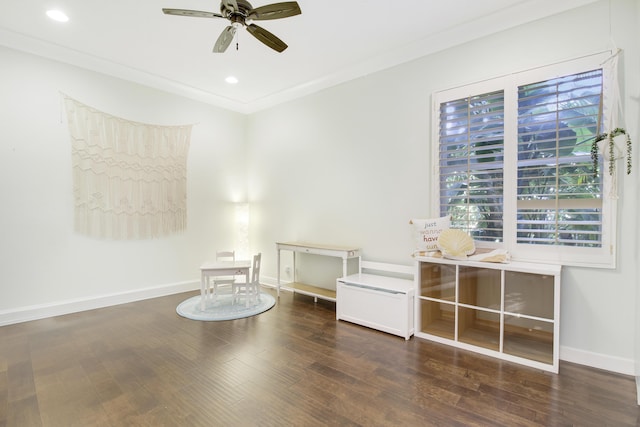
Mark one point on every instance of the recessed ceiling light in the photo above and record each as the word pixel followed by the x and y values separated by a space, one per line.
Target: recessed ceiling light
pixel 57 15
pixel 231 80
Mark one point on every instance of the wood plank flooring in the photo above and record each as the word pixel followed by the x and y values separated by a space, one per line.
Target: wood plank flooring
pixel 140 364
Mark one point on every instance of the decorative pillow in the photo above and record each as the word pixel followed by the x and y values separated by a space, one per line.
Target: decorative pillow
pixel 427 231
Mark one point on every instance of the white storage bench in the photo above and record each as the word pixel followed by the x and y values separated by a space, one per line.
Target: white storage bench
pixel 378 301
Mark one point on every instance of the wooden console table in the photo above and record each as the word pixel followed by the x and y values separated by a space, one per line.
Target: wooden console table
pixel 345 253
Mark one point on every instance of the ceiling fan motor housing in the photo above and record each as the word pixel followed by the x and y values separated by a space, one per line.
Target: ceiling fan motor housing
pixel 239 15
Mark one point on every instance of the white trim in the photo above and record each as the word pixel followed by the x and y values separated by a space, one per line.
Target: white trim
pixel 598 360
pixel 383 266
pixel 41 311
pixel 602 257
pixel 606 362
pixel 520 13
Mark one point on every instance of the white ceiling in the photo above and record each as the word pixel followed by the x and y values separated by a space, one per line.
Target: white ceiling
pixel 330 42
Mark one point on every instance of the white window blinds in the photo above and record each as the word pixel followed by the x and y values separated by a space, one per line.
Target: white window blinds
pixel 471 164
pixel 513 163
pixel 559 200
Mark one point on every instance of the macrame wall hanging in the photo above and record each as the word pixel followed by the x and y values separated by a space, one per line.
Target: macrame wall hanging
pixel 129 178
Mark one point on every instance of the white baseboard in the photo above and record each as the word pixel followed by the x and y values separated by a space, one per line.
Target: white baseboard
pixel 595 360
pixel 41 311
pixel 271 282
pixel 598 360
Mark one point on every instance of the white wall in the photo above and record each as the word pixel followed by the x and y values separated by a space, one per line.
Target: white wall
pixel 636 254
pixel 43 262
pixel 350 165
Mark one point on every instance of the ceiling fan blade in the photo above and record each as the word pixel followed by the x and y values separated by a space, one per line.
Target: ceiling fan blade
pixel 230 4
pixel 275 11
pixel 193 13
pixel 225 39
pixel 267 38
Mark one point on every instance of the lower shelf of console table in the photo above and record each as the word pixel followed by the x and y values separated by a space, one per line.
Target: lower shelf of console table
pixel 510 311
pixel 310 290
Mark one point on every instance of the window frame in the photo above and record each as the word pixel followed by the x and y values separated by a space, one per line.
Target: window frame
pixel 602 257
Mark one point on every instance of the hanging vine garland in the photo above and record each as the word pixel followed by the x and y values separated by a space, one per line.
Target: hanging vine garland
pixel 612 154
pixel 628 154
pixel 612 160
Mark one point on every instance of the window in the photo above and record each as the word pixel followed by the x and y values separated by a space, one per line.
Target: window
pixel 514 164
pixel 471 164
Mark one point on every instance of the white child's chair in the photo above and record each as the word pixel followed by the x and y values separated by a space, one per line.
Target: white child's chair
pixel 251 290
pixel 224 280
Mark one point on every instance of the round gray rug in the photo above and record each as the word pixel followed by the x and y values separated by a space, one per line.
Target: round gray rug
pixel 222 308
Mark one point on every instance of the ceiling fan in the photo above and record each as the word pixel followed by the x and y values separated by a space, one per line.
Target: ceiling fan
pixel 238 12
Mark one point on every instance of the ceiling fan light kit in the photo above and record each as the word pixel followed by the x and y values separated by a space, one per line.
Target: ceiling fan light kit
pixel 238 12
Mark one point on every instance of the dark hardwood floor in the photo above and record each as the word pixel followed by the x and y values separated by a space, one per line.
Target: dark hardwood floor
pixel 295 365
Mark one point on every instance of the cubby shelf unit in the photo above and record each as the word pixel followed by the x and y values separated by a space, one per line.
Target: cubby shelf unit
pixel 506 310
